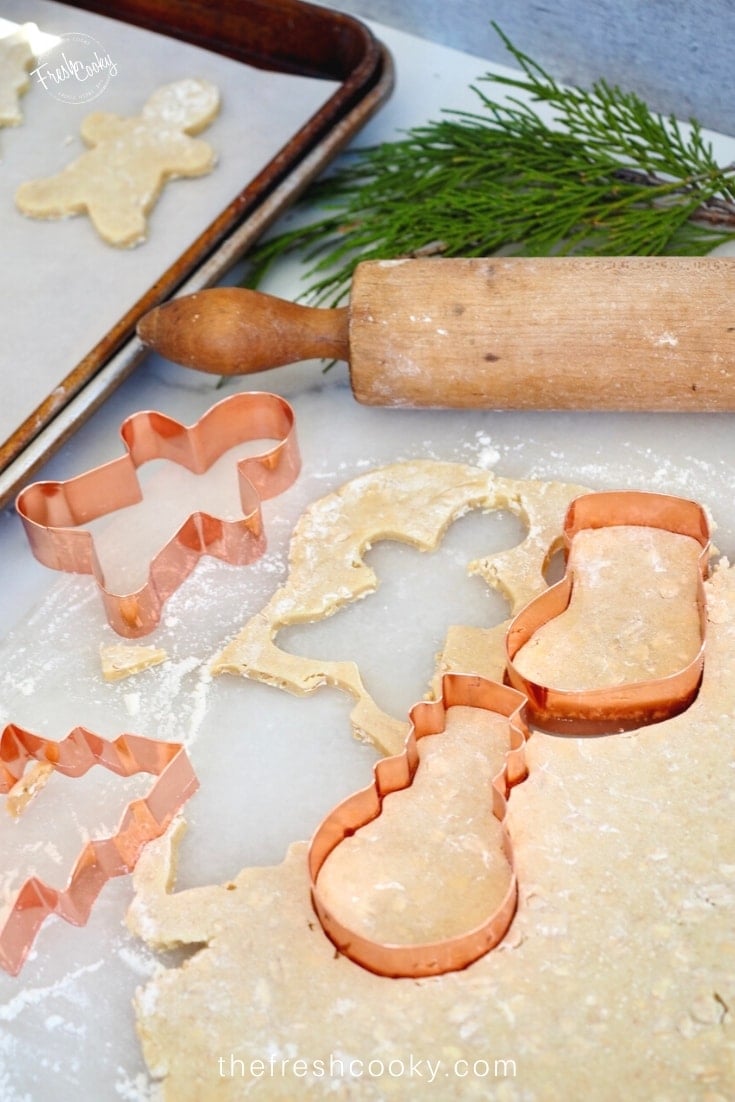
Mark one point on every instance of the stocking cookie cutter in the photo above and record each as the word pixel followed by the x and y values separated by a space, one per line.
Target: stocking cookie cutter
pixel 630 704
pixel 101 859
pixel 395 773
pixel 53 513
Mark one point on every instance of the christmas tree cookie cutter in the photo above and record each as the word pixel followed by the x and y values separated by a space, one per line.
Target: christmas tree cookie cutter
pixel 632 703
pixel 100 859
pixel 395 773
pixel 54 513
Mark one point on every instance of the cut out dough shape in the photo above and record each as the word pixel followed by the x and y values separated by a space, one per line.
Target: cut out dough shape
pixel 121 176
pixel 616 977
pixel 414 501
pixel 398 878
pixel 16 58
pixel 626 579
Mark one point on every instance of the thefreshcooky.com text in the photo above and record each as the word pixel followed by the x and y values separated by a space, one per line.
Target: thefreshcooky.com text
pixel 348 1067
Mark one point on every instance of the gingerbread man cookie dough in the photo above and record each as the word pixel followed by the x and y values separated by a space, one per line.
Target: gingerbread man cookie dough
pixel 16 58
pixel 118 180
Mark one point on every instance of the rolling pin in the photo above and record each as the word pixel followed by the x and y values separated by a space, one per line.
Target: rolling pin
pixel 623 333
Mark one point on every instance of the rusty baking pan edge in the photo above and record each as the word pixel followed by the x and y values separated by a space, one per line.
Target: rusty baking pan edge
pixel 232 232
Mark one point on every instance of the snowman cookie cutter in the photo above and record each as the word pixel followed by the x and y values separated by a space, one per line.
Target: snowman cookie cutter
pixel 396 773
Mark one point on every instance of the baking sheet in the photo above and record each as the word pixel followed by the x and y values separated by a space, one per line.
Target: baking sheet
pixel 84 285
pixel 270 764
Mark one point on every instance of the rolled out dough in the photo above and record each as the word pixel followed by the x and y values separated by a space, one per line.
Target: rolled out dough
pixel 415 501
pixel 617 977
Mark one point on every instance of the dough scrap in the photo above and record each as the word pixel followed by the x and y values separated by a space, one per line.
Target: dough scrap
pixel 121 660
pixel 617 977
pixel 413 501
pixel 16 58
pixel 118 180
pixel 27 787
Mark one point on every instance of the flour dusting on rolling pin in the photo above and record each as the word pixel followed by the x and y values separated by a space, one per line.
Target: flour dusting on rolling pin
pixel 617 333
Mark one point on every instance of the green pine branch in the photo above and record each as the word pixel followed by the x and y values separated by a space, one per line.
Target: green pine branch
pixel 603 176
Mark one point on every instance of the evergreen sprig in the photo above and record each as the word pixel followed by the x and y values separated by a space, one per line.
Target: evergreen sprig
pixel 604 176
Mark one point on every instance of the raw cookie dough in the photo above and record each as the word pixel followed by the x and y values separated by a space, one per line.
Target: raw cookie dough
pixel 633 613
pixel 16 58
pixel 120 178
pixel 414 501
pixel 398 879
pixel 121 660
pixel 27 787
pixel 617 977
pixel 616 980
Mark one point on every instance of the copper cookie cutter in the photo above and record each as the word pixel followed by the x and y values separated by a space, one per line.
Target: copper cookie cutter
pixel 102 859
pixel 630 704
pixel 395 773
pixel 53 513
pixel 592 712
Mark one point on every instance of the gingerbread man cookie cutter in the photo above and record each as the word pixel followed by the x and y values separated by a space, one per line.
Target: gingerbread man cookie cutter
pixel 100 859
pixel 395 773
pixel 54 513
pixel 632 703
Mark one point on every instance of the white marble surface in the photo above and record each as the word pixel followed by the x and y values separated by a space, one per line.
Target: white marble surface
pixel 270 765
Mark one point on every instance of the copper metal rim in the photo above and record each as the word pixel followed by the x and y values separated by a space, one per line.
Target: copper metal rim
pixel 104 858
pixel 395 773
pixel 633 704
pixel 54 513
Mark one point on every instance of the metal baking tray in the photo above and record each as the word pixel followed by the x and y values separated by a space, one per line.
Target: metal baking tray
pixel 276 36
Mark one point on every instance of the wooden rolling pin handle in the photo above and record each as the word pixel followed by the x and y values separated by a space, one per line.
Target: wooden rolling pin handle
pixel 233 331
